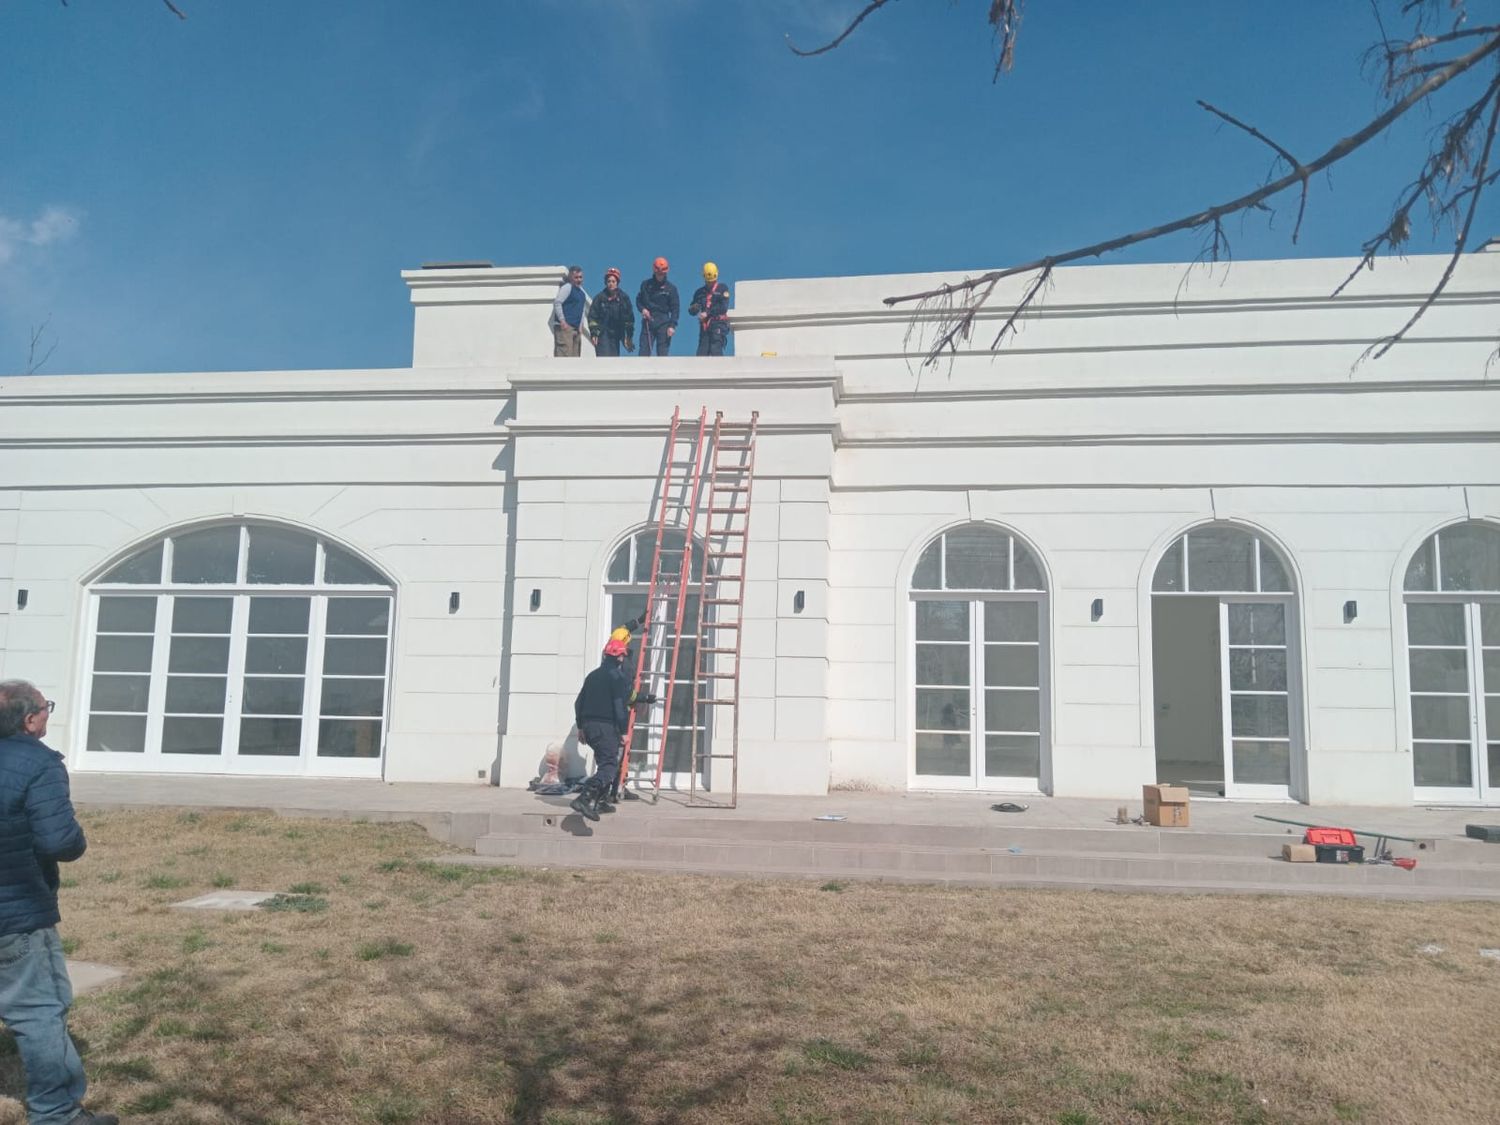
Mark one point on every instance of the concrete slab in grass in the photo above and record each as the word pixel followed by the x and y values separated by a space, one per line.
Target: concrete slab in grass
pixel 226 900
pixel 87 976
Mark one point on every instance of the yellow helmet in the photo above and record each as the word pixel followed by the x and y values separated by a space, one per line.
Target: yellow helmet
pixel 710 272
pixel 621 634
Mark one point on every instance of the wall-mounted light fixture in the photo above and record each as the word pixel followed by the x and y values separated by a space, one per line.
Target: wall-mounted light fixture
pixel 22 597
pixel 1351 611
pixel 799 601
pixel 1096 610
pixel 536 599
pixel 453 602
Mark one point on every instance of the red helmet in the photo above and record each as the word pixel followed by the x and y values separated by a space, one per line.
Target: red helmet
pixel 615 648
pixel 660 264
pixel 611 273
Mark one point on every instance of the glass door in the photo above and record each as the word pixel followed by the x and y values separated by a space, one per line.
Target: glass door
pixel 1453 653
pixel 978 707
pixel 1258 717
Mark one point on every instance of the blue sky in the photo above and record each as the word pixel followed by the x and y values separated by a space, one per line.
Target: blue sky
pixel 240 190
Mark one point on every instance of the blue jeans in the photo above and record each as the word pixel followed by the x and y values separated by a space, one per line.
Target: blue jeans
pixel 35 995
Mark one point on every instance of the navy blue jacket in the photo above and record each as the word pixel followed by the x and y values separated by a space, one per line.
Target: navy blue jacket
pixel 37 830
pixel 660 299
pixel 603 695
pixel 713 299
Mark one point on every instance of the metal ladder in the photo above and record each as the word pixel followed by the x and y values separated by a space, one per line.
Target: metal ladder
pixel 671 567
pixel 721 599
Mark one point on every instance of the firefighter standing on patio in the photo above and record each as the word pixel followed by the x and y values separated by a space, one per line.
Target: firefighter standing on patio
pixel 602 716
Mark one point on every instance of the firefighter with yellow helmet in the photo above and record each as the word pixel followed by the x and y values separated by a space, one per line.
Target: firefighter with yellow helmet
pixel 711 306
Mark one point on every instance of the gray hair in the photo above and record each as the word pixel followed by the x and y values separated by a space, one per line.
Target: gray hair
pixel 17 701
pixel 574 269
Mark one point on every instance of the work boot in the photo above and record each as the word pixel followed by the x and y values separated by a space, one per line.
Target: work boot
pixel 606 801
pixel 629 794
pixel 587 802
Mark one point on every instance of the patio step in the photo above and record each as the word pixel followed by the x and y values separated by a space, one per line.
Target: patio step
pixel 1146 859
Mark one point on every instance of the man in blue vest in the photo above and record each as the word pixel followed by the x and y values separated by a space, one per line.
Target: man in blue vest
pixel 37 832
pixel 569 312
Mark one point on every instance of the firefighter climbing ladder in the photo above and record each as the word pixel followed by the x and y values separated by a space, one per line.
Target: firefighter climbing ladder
pixel 720 587
pixel 666 593
pixel 721 600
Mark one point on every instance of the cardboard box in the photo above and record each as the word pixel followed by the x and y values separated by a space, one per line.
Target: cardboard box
pixel 1299 853
pixel 1166 806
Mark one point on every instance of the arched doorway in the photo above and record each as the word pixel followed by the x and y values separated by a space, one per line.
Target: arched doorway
pixel 238 648
pixel 627 581
pixel 1225 665
pixel 1452 596
pixel 979 639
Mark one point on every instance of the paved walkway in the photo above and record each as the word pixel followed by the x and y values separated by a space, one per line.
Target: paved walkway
pixel 435 805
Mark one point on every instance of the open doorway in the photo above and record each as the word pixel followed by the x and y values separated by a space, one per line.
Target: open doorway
pixel 1189 707
pixel 1224 666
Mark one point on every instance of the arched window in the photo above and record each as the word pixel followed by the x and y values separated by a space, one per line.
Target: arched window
pixel 627 581
pixel 241 648
pixel 1453 657
pixel 979 685
pixel 1220 560
pixel 1224 664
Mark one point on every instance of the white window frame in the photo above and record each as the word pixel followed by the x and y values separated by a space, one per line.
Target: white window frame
pixel 229 761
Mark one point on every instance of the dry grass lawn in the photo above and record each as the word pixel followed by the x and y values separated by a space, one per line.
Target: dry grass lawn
pixel 428 993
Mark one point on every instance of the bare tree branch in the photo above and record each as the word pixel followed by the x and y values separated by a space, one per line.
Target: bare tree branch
pixel 1004 17
pixel 1292 162
pixel 870 9
pixel 171 7
pixel 1450 181
pixel 1209 219
pixel 38 331
pixel 1381 347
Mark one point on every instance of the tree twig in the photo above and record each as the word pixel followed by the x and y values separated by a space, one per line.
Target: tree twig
pixel 1379 348
pixel 870 9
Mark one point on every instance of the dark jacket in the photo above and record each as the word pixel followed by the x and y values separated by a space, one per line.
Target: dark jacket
pixel 659 298
pixel 611 315
pixel 602 697
pixel 37 829
pixel 712 299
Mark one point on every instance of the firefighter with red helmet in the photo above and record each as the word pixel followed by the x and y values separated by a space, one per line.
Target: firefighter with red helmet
pixel 659 304
pixel 611 319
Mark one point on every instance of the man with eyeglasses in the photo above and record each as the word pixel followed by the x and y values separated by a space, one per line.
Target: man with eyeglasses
pixel 37 832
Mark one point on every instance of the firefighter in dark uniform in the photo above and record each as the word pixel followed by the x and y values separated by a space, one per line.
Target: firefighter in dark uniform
pixel 611 319
pixel 602 715
pixel 658 302
pixel 711 307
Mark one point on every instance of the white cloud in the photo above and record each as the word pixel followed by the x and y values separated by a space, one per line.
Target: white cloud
pixel 54 224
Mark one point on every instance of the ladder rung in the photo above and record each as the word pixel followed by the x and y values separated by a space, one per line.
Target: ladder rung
pixel 737 469
pixel 721 624
pixel 721 651
pixel 725 531
pixel 721 601
pixel 737 447
pixel 727 511
pixel 719 702
pixel 726 555
pixel 720 675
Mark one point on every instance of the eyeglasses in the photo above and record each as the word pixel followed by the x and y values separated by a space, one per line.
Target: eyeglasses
pixel 47 705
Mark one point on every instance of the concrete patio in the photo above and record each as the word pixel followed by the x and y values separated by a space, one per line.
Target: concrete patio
pixel 918 837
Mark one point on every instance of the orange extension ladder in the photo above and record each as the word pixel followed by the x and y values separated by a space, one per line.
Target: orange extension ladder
pixel 666 596
pixel 721 599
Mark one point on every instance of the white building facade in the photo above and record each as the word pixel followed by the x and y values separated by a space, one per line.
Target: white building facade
pixel 1173 531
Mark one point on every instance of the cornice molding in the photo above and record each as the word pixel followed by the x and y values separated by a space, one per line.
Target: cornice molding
pixel 1099 309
